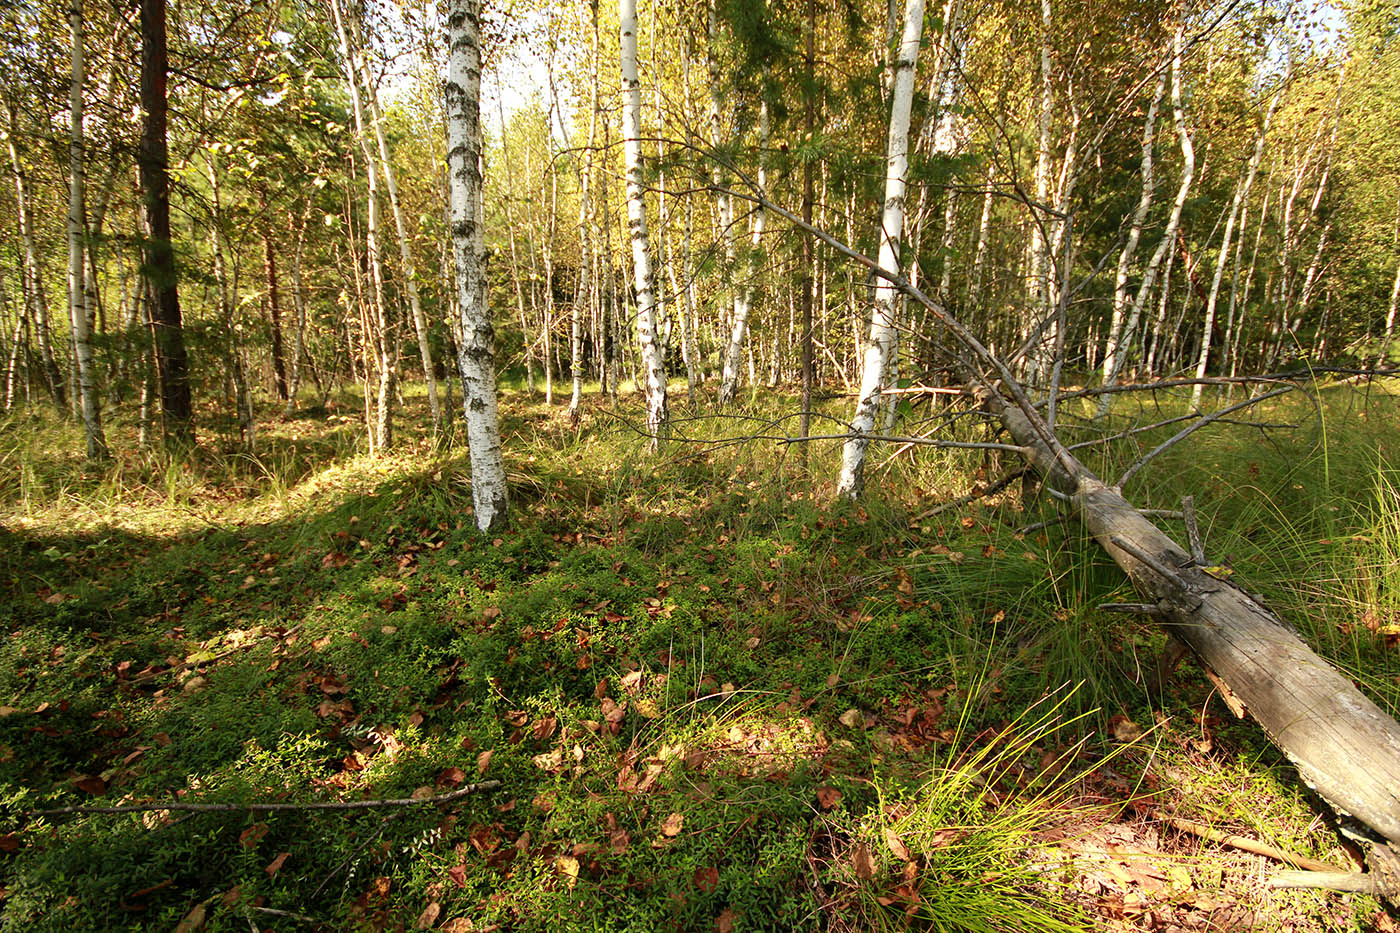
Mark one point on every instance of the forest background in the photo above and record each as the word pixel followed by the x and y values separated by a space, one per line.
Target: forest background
pixel 233 460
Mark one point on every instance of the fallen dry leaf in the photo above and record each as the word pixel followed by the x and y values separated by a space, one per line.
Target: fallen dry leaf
pixel 863 862
pixel 276 864
pixel 897 846
pixel 567 866
pixel 194 920
pixel 429 916
pixel 250 836
pixel 672 825
pixel 544 728
pixel 1124 729
pixel 706 879
pixel 828 797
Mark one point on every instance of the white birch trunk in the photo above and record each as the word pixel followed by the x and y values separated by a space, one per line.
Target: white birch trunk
pixel 1121 301
pixel 585 264
pixel 299 304
pixel 1241 192
pixel 33 285
pixel 1163 253
pixel 476 352
pixel 882 329
pixel 383 427
pixel 1039 304
pixel 1384 355
pixel 77 235
pixel 744 294
pixel 410 273
pixel 654 370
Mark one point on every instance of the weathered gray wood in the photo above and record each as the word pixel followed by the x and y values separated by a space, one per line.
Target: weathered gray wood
pixel 1344 746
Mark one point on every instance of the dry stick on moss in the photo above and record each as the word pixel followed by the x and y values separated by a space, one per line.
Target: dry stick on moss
pixel 457 794
pixel 1245 844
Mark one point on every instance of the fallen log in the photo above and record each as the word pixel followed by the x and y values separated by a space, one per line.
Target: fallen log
pixel 1344 746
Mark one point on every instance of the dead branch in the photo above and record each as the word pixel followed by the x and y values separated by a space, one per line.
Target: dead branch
pixel 180 805
pixel 1245 844
pixel 1181 435
pixel 995 487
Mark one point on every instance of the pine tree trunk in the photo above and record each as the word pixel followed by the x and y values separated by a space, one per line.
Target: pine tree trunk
pixel 172 366
pixel 476 355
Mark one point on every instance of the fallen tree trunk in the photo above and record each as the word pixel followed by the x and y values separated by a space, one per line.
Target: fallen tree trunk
pixel 1344 746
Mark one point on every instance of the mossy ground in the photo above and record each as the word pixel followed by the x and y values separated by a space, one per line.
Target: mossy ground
pixel 714 699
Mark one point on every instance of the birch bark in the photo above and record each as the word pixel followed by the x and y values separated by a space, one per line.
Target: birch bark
pixel 33 287
pixel 383 339
pixel 1121 301
pixel 1241 192
pixel 1165 247
pixel 882 329
pixel 744 294
pixel 476 353
pixel 410 272
pixel 654 370
pixel 77 236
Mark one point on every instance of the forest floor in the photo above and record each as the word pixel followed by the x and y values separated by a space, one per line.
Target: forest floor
pixel 713 699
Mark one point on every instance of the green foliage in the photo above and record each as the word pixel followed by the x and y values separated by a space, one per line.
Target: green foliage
pixel 671 665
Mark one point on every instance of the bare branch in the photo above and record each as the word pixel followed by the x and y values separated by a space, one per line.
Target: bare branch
pixel 1181 435
pixel 457 794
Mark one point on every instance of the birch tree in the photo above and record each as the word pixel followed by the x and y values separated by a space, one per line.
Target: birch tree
pixel 1121 300
pixel 882 327
pixel 1241 192
pixel 391 184
pixel 1168 242
pixel 653 367
pixel 77 236
pixel 32 284
pixel 383 427
pixel 476 353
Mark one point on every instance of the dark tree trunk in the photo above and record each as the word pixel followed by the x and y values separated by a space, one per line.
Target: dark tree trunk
pixel 172 366
pixel 274 315
pixel 806 281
